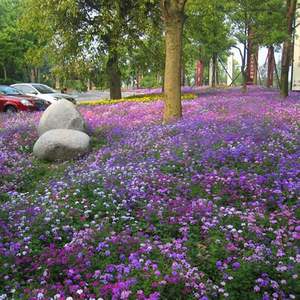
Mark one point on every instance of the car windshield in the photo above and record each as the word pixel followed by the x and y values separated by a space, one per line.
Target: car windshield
pixel 43 89
pixel 7 90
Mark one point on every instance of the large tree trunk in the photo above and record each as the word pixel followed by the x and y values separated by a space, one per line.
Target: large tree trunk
pixel 285 66
pixel 287 47
pixel 114 76
pixel 271 67
pixel 173 14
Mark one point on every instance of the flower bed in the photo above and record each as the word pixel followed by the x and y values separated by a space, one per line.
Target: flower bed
pixel 207 208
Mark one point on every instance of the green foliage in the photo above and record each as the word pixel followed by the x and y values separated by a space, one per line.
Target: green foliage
pixel 77 85
pixel 73 40
pixel 264 17
pixel 85 35
pixel 40 170
pixel 150 80
pixel 206 28
pixel 206 34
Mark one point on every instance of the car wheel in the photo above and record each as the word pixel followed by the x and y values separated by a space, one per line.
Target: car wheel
pixel 10 109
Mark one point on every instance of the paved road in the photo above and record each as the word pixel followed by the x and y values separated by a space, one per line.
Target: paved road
pixel 96 95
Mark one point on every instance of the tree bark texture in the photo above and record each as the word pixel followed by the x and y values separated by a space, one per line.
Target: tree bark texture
pixel 5 73
pixel 114 76
pixel 199 73
pixel 255 69
pixel 183 74
pixel 32 75
pixel 244 71
pixel 214 70
pixel 217 74
pixel 271 67
pixel 287 48
pixel 139 78
pixel 57 83
pixel 173 15
pixel 38 75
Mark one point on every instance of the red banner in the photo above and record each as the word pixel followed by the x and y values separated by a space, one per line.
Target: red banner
pixel 199 73
pixel 252 60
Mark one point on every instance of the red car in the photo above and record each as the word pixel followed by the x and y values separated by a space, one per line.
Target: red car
pixel 12 100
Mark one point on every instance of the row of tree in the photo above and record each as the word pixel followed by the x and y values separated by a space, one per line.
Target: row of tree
pixel 114 42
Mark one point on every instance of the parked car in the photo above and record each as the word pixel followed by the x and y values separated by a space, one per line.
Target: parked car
pixel 12 100
pixel 42 91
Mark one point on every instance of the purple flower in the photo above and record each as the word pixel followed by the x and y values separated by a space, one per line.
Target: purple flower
pixel 266 296
pixel 236 265
pixel 101 246
pixel 219 264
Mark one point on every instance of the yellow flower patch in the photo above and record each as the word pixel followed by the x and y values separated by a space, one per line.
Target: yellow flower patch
pixel 142 99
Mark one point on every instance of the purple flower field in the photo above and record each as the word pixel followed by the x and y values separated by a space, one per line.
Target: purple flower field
pixel 207 208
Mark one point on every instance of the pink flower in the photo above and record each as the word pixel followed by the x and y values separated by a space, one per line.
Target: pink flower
pixel 125 295
pixel 231 247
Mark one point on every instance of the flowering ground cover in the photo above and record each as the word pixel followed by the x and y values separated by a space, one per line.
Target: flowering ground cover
pixel 207 208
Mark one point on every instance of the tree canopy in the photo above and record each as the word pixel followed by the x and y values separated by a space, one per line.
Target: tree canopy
pixel 115 43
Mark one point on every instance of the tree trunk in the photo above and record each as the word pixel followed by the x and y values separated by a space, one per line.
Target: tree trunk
pixel 158 79
pixel 163 74
pixel 256 75
pixel 271 66
pixel 173 14
pixel 138 78
pixel 5 73
pixel 285 66
pixel 199 73
pixel 183 74
pixel 287 47
pixel 57 83
pixel 243 70
pixel 114 76
pixel 217 74
pixel 32 75
pixel 244 86
pixel 38 75
pixel 89 84
pixel 214 70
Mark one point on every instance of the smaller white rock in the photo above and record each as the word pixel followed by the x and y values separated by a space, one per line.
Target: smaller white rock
pixel 61 144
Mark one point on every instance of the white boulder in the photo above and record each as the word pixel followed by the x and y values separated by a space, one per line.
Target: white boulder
pixel 61 144
pixel 61 115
